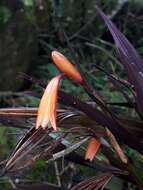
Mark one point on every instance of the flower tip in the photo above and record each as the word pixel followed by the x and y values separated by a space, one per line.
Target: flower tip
pixel 37 124
pixel 36 127
pixel 55 129
pixel 56 53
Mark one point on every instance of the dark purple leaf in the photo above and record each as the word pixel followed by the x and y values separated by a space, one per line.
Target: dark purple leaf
pixel 21 156
pixel 103 119
pixel 129 57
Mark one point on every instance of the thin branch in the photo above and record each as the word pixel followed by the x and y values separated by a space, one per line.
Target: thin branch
pixel 69 149
pixel 117 147
pixel 57 174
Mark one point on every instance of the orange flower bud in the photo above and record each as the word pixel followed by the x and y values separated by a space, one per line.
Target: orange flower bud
pixel 47 108
pixel 66 66
pixel 92 149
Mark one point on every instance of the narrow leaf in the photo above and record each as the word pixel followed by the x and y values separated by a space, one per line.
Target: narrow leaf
pixel 129 57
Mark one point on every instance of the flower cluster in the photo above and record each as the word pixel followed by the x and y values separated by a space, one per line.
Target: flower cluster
pixel 46 116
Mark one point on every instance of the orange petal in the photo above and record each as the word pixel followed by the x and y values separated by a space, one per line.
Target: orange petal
pixel 92 148
pixel 65 66
pixel 47 108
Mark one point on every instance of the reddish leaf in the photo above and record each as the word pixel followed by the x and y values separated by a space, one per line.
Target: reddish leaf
pixel 39 186
pixel 96 182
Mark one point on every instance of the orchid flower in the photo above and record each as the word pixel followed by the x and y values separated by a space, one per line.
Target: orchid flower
pixel 47 108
